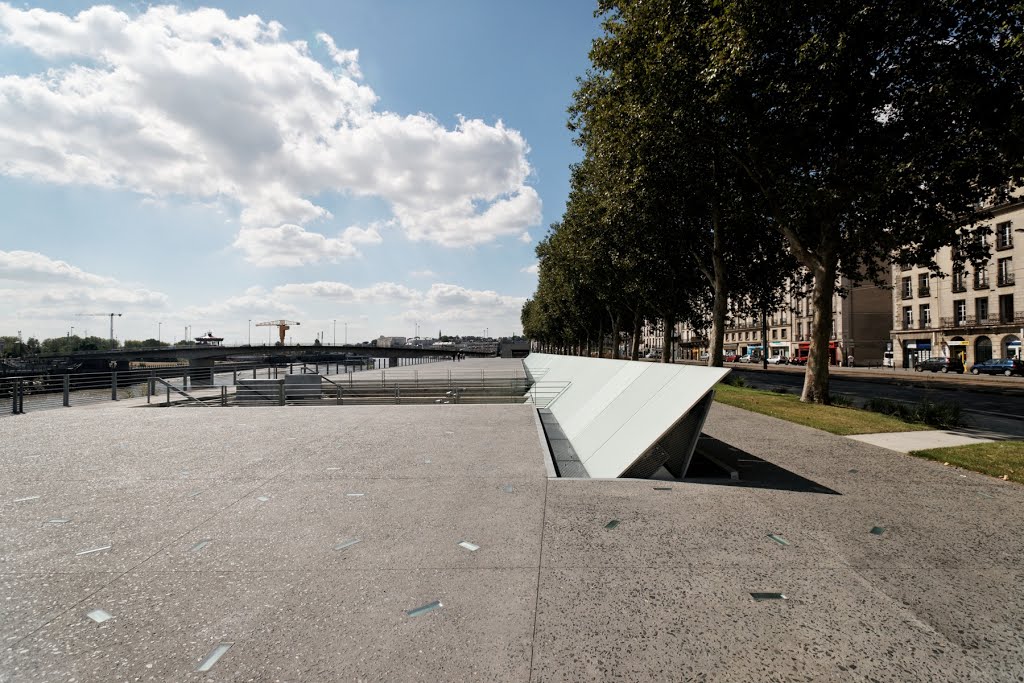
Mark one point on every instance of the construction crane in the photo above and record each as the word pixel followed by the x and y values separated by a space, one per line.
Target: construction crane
pixel 103 315
pixel 281 325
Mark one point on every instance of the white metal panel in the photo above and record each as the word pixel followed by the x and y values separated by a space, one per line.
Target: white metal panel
pixel 620 410
pixel 614 410
pixel 594 396
pixel 649 423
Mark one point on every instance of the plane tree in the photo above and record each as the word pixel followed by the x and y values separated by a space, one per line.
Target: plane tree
pixel 646 105
pixel 874 131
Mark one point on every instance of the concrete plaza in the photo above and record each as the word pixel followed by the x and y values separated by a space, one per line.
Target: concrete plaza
pixel 235 525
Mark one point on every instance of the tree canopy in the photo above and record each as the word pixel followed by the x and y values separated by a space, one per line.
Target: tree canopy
pixel 728 142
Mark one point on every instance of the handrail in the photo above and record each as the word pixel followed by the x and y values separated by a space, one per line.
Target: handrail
pixel 542 390
pixel 171 387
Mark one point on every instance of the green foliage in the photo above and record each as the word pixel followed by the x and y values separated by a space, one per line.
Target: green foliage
pixel 841 400
pixel 944 415
pixel 725 139
pixel 144 344
pixel 734 380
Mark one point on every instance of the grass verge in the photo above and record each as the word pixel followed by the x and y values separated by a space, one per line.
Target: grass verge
pixel 998 458
pixel 841 421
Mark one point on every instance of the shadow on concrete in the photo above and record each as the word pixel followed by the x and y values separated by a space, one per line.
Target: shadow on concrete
pixel 716 462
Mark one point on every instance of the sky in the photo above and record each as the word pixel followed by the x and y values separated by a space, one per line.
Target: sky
pixel 363 168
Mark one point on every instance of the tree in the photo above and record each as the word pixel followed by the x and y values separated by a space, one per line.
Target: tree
pixel 873 130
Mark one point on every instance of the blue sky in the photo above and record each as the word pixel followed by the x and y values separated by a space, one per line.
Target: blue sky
pixel 385 164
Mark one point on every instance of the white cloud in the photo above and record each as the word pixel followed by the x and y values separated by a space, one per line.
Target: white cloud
pixel 40 282
pixel 174 103
pixel 292 245
pixel 533 270
pixel 439 303
pixel 30 266
pixel 339 292
pixel 256 303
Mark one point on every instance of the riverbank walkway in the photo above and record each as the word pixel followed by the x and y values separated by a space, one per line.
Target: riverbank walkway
pixel 428 543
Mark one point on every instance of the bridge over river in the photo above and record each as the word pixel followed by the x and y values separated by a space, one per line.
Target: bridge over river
pixel 206 355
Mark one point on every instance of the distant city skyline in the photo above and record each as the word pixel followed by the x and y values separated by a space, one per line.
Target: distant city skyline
pixel 386 165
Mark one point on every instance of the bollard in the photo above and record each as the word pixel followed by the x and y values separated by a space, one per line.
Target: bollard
pixel 113 386
pixel 67 391
pixel 224 396
pixel 280 393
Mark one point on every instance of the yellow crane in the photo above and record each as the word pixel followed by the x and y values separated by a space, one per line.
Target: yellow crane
pixel 281 325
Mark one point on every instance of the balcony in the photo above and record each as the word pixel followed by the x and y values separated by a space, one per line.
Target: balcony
pixel 1006 279
pixel 982 284
pixel 1003 245
pixel 960 321
pixel 907 325
pixel 908 294
pixel 924 291
pixel 959 287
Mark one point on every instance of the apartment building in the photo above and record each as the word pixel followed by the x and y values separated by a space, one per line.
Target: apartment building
pixel 860 326
pixel 972 313
pixel 688 342
pixel 743 335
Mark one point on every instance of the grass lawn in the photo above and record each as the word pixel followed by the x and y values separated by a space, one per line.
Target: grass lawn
pixel 841 421
pixel 997 458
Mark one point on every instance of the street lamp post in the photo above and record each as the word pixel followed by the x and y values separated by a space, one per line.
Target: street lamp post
pixel 250 332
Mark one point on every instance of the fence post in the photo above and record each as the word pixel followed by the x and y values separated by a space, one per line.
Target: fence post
pixel 234 377
pixel 223 396
pixel 280 393
pixel 168 395
pixel 113 386
pixel 67 391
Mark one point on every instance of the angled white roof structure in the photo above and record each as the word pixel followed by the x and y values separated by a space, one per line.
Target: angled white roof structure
pixel 618 418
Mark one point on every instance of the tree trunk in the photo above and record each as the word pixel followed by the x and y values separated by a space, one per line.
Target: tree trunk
pixel 816 377
pixel 764 338
pixel 721 295
pixel 616 324
pixel 634 351
pixel 666 350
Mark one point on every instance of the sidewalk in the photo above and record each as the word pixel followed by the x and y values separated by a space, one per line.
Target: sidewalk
pixel 235 526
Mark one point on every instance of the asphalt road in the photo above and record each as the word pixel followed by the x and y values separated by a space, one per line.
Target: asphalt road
pixel 993 409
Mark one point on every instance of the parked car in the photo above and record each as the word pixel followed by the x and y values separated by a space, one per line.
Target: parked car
pixel 704 356
pixel 746 359
pixel 999 366
pixel 778 360
pixel 940 364
pixel 730 357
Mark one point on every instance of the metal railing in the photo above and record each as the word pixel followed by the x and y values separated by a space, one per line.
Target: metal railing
pixel 543 394
pixel 233 384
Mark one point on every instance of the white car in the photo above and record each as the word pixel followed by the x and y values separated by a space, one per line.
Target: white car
pixel 746 359
pixel 778 360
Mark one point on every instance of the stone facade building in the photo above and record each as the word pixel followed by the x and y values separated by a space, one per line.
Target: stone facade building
pixel 972 313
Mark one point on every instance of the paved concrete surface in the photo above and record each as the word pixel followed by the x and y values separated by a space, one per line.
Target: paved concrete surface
pixel 551 595
pixel 904 442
